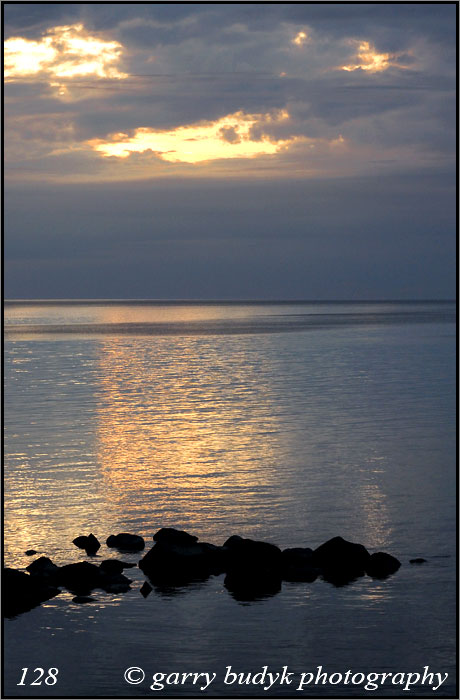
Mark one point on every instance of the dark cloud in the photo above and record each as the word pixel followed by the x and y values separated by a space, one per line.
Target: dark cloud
pixel 383 237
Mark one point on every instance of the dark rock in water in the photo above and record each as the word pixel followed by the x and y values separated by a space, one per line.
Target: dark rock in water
pixel 81 599
pixel 30 552
pixel 341 561
pixel 297 555
pixel 146 589
pixel 253 568
pixel 251 555
pixel 115 583
pixel 126 542
pixel 381 565
pixel 45 568
pixel 233 540
pixel 417 560
pixel 169 535
pixel 111 566
pixel 128 564
pixel 83 577
pixel 80 578
pixel 23 592
pixel 181 563
pixel 297 565
pixel 89 543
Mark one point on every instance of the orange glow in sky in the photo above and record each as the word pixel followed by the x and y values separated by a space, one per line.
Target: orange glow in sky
pixel 64 52
pixel 369 60
pixel 300 39
pixel 229 137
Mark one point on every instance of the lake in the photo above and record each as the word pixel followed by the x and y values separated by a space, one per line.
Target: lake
pixel 284 422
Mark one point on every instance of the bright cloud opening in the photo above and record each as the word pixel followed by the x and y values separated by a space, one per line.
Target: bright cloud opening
pixel 64 52
pixel 300 39
pixel 369 60
pixel 232 136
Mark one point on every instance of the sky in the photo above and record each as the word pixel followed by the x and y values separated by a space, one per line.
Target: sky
pixel 230 151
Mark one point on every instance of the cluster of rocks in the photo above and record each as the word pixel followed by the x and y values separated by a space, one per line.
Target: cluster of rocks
pixel 257 569
pixel 123 541
pixel 45 579
pixel 252 569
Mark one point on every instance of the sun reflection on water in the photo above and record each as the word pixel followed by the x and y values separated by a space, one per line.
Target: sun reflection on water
pixel 185 434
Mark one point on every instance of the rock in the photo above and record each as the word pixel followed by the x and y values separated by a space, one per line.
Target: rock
pixel 169 535
pixel 30 552
pixel 181 563
pixel 126 542
pixel 381 565
pixel 111 566
pixel 233 541
pixel 253 568
pixel 251 555
pixel 297 555
pixel 216 557
pixel 417 560
pixel 340 561
pixel 297 565
pixel 116 583
pixel 44 567
pixel 146 589
pixel 89 543
pixel 81 599
pixel 23 592
pixel 83 577
pixel 80 578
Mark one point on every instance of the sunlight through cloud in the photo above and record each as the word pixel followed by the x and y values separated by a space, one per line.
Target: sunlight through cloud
pixel 64 52
pixel 232 136
pixel 300 39
pixel 369 60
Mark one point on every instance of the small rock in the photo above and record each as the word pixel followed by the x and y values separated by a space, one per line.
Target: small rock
pixel 111 566
pixel 341 561
pixel 381 565
pixel 417 560
pixel 117 583
pixel 30 552
pixel 83 599
pixel 146 589
pixel 126 542
pixel 89 543
pixel 43 566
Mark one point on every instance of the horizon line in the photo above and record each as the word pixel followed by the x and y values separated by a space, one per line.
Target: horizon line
pixel 76 300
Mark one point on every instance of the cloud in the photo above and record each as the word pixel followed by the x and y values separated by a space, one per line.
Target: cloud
pixel 367 58
pixel 162 75
pixel 67 51
pixel 232 136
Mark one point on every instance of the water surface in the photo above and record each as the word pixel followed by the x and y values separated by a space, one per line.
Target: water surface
pixel 290 423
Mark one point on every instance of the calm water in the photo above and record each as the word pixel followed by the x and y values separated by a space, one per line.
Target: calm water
pixel 290 423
